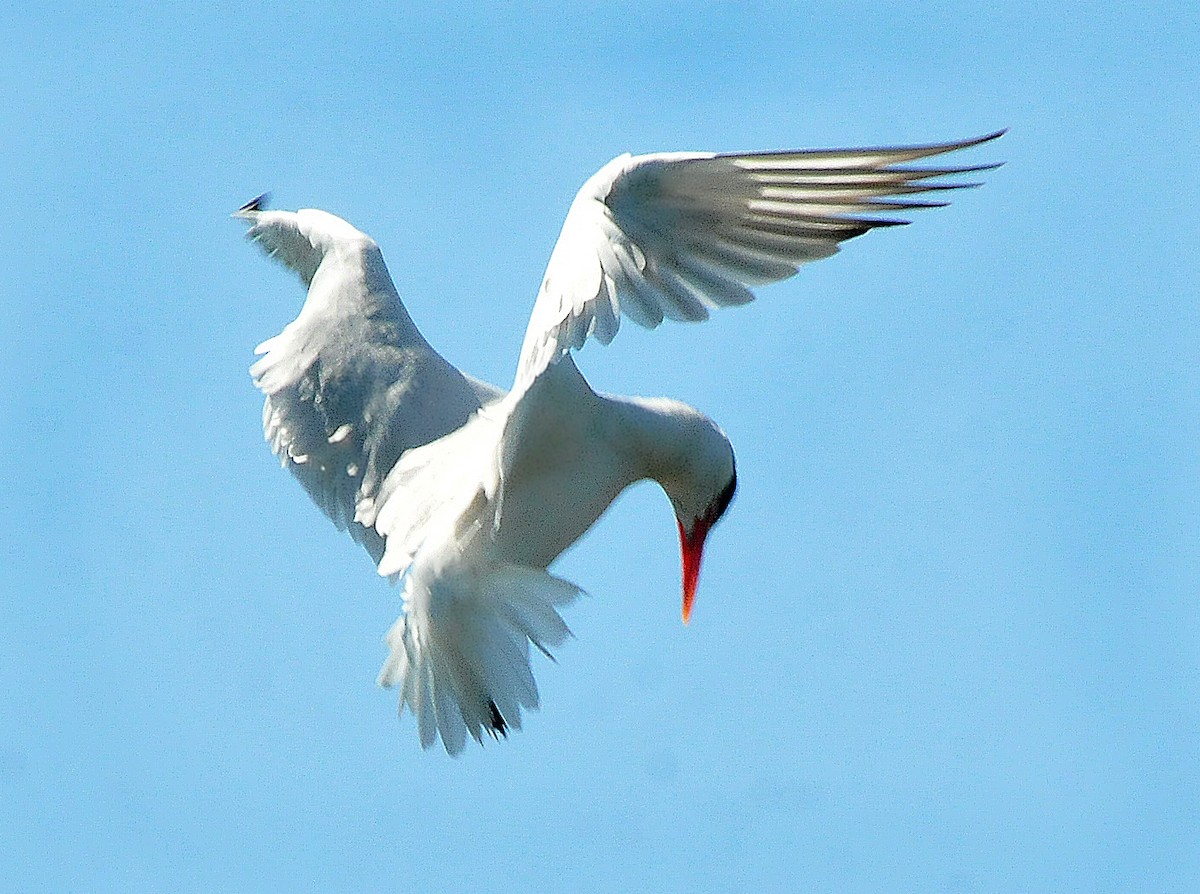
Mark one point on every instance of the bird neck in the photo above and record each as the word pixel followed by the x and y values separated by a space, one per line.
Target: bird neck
pixel 662 439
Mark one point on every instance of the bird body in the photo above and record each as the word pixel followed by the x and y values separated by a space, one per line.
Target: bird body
pixel 475 519
pixel 559 454
pixel 468 493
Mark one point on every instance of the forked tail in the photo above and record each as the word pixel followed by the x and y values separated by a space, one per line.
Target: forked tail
pixel 460 651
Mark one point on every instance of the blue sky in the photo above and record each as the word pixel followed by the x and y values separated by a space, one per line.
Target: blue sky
pixel 947 638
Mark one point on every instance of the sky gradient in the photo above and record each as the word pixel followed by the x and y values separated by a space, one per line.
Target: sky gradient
pixel 948 636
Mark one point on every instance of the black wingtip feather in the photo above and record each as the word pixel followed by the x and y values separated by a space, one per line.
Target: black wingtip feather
pixel 258 203
pixel 497 726
pixel 921 173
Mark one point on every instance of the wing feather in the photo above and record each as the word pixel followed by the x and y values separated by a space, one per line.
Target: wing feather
pixel 350 383
pixel 672 235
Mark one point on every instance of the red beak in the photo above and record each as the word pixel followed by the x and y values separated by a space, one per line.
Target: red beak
pixel 691 548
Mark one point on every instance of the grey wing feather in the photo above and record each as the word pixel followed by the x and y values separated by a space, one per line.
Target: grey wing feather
pixel 674 235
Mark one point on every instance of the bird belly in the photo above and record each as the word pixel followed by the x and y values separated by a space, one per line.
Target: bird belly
pixel 549 507
pixel 560 478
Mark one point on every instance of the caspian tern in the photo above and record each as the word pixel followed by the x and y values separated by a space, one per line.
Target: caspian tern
pixel 470 493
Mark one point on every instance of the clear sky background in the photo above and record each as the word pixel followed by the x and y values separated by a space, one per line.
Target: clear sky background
pixel 947 639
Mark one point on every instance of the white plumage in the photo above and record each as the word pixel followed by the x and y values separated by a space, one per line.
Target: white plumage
pixel 470 493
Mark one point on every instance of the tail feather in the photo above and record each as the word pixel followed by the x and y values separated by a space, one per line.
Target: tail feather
pixel 532 603
pixel 460 652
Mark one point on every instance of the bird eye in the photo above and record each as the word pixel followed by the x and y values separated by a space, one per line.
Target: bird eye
pixel 721 504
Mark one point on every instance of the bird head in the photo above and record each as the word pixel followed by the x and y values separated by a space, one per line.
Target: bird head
pixel 700 493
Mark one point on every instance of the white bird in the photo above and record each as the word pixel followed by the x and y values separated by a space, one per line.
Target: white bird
pixel 470 493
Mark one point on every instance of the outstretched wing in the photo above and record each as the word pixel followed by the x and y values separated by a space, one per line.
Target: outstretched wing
pixel 350 384
pixel 673 235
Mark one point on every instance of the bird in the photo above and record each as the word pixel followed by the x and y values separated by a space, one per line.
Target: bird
pixel 465 492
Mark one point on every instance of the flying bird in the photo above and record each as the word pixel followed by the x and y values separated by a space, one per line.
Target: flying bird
pixel 468 493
